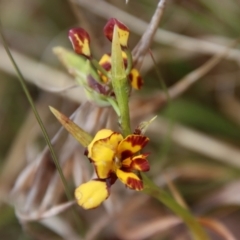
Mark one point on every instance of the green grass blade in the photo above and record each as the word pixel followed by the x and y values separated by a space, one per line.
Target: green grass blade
pixel 151 189
pixel 46 137
pixel 29 98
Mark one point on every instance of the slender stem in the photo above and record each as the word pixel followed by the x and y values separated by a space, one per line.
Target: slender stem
pixel 47 139
pixel 99 67
pixel 151 189
pixel 45 134
pixel 120 84
pixel 121 92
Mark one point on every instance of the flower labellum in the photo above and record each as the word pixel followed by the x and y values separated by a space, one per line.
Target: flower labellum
pixel 123 31
pixel 92 194
pixel 80 41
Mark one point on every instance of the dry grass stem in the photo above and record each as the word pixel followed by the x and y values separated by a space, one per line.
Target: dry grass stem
pixel 141 49
pixel 43 76
pixel 162 36
pixel 217 227
pixel 198 142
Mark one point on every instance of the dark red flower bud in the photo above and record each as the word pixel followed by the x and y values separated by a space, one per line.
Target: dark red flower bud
pixel 123 31
pixel 80 41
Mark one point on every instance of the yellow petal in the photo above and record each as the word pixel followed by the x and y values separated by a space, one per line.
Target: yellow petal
pixel 124 55
pixel 103 133
pixel 130 179
pixel 103 151
pixel 91 194
pixel 135 79
pixel 126 163
pixel 105 62
pixel 123 36
pixel 130 145
pixel 105 59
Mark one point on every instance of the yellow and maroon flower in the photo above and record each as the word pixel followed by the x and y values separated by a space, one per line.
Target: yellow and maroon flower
pixel 80 41
pixel 113 157
pixel 134 75
pixel 123 31
pixel 99 88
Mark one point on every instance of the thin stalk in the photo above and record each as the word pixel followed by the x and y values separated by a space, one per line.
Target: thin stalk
pixel 29 98
pixel 151 189
pixel 120 84
pixel 99 67
pixel 43 129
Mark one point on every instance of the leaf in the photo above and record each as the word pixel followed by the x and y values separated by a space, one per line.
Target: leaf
pixel 76 65
pixel 78 133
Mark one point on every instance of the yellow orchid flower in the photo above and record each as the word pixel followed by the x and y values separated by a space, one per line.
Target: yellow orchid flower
pixel 134 75
pixel 113 157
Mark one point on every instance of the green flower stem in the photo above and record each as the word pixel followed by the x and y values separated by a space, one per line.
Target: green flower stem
pixel 120 84
pixel 151 189
pixel 99 67
pixel 121 89
pixel 44 131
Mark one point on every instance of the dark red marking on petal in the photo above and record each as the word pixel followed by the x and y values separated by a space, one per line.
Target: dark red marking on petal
pixel 96 86
pixel 112 178
pixel 125 154
pixel 106 65
pixel 137 140
pixel 134 184
pixel 137 131
pixel 125 63
pixel 86 152
pixel 108 29
pixel 95 167
pixel 140 164
pixel 130 75
pixel 139 82
pixel 82 35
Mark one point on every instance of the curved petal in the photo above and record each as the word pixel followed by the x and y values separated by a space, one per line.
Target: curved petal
pixel 130 179
pixel 130 145
pixel 102 154
pixel 103 133
pixel 92 194
pixel 139 163
pixel 105 59
pixel 123 31
pixel 105 62
pixel 135 79
pixel 80 41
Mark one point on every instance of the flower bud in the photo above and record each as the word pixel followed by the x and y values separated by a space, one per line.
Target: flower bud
pixel 123 31
pixel 80 41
